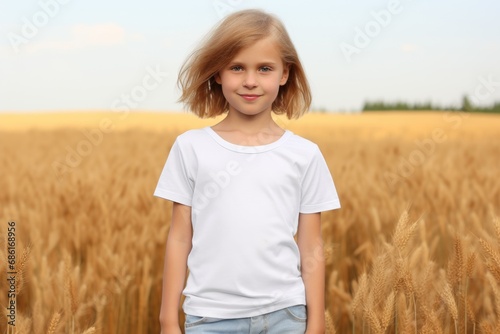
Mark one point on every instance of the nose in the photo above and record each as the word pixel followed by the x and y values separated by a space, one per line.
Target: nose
pixel 250 80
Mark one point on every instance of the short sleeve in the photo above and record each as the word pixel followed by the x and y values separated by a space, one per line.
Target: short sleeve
pixel 318 189
pixel 174 183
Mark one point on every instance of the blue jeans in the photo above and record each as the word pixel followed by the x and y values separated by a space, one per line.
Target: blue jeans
pixel 290 320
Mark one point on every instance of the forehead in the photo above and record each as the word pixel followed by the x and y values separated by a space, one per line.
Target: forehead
pixel 266 48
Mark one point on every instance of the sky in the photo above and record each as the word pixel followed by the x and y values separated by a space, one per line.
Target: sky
pixel 73 55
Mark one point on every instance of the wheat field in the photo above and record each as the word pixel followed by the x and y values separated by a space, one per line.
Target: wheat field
pixel 415 247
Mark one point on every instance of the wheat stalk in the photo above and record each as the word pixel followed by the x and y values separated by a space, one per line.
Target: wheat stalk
pixel 457 266
pixel 54 322
pixel 494 263
pixel 21 267
pixel 360 294
pixel 90 330
pixel 373 320
pixel 447 297
pixel 330 327
pixel 388 311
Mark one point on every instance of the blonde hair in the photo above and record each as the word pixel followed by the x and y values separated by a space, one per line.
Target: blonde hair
pixel 204 97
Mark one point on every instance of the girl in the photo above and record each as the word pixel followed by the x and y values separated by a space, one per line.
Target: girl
pixel 243 189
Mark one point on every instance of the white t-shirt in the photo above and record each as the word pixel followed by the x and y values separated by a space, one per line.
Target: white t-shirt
pixel 245 203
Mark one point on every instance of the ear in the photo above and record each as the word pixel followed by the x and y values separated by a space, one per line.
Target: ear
pixel 217 78
pixel 284 77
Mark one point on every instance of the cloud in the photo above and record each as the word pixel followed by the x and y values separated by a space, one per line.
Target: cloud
pixel 136 37
pixel 492 47
pixel 98 34
pixel 86 36
pixel 408 48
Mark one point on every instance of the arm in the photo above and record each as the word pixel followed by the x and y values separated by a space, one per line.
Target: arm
pixel 175 267
pixel 312 260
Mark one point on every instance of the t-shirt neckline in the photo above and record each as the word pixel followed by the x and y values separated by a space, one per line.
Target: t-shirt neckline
pixel 247 149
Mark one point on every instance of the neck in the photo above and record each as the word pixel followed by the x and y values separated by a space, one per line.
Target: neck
pixel 250 124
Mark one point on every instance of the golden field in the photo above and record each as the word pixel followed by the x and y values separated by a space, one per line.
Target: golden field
pixel 415 247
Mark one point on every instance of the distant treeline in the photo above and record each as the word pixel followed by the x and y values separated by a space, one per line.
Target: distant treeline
pixel 466 106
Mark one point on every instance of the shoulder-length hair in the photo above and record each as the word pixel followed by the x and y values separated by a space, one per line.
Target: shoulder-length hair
pixel 204 97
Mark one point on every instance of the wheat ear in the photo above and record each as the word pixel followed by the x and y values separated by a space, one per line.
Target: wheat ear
pixel 54 322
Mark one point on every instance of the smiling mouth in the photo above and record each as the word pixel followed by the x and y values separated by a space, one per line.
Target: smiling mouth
pixel 250 97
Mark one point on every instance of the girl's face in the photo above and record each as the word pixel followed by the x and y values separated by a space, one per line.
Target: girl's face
pixel 251 81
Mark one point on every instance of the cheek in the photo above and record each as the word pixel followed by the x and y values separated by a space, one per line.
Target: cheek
pixel 228 81
pixel 274 84
pixel 227 89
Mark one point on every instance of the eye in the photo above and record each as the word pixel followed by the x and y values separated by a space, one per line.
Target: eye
pixel 266 69
pixel 236 68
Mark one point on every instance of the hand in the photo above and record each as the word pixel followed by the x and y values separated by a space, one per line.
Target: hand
pixel 171 330
pixel 312 331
